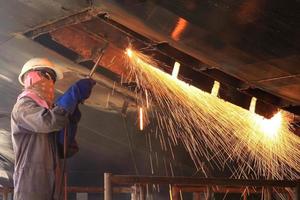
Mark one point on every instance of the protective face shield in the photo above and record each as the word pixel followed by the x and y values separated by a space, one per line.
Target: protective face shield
pixel 38 75
pixel 41 82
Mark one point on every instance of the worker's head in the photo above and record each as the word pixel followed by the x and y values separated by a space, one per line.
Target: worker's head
pixel 39 75
pixel 42 65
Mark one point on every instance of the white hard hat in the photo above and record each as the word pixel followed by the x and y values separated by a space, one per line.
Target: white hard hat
pixel 35 63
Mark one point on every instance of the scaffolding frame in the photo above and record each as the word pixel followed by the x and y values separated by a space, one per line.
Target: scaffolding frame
pixel 200 185
pixel 136 186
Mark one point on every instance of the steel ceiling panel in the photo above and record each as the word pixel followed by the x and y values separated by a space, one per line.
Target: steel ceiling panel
pixel 250 40
pixel 20 15
pixel 287 88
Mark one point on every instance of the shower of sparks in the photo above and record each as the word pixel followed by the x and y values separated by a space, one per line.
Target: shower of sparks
pixel 129 53
pixel 147 99
pixel 271 127
pixel 253 105
pixel 214 129
pixel 215 89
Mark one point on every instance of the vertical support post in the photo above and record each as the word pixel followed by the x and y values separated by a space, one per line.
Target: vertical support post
pixel 209 195
pixel 65 163
pixel 175 192
pixel 196 196
pixel 180 193
pixel 10 195
pixel 5 194
pixel 142 192
pixel 297 191
pixel 133 193
pixel 245 196
pixel 66 186
pixel 268 193
pixel 108 193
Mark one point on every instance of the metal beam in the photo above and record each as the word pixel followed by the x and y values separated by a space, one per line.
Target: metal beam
pixel 86 37
pixel 79 17
pixel 125 179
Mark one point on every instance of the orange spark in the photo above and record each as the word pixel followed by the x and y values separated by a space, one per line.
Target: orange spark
pixel 141 118
pixel 179 28
pixel 129 52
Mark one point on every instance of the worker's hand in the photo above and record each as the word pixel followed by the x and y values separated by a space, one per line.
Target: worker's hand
pixel 77 93
pixel 85 87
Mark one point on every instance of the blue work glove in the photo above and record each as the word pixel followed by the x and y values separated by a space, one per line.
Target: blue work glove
pixel 72 146
pixel 78 92
pixel 85 87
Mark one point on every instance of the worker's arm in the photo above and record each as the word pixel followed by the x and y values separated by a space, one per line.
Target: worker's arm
pixel 29 115
pixel 72 147
pixel 78 92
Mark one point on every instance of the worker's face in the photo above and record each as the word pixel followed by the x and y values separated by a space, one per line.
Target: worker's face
pixel 42 82
pixel 34 77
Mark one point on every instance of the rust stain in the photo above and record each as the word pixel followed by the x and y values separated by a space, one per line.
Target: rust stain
pixel 87 47
pixel 75 41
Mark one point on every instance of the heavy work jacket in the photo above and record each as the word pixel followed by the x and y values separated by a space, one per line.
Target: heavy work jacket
pixel 34 130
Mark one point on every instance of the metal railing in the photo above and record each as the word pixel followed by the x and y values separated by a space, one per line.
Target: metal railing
pixel 202 185
pixel 6 191
pixel 135 186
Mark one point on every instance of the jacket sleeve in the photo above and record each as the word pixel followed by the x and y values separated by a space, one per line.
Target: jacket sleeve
pixel 73 147
pixel 29 115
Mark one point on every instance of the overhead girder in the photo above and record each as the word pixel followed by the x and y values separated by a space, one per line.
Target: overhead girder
pixel 87 37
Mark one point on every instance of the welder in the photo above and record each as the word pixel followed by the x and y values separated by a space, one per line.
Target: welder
pixel 38 124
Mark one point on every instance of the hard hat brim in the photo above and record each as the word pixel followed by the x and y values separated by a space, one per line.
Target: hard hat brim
pixel 58 73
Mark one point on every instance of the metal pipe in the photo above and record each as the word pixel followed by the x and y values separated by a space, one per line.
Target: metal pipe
pixel 134 193
pixel 65 163
pixel 77 189
pixel 125 179
pixel 98 60
pixel 224 189
pixel 209 194
pixel 95 66
pixel 108 193
pixel 142 192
